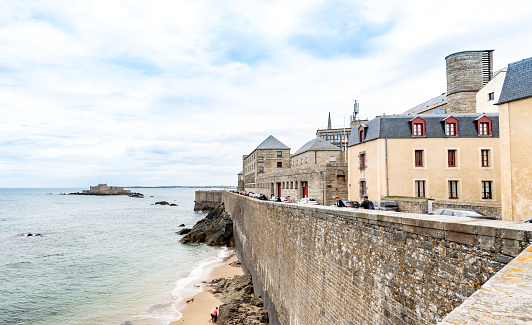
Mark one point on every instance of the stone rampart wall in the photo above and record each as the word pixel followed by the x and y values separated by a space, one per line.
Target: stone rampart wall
pixel 326 265
pixel 207 200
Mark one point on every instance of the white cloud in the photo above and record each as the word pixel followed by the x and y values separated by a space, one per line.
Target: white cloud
pixel 175 92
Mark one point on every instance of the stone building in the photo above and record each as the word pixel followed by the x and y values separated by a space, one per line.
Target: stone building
pixel 515 107
pixel 103 189
pixel 467 73
pixel 449 157
pixel 316 170
pixel 269 156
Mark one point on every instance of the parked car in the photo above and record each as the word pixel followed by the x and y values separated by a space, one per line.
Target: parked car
pixel 307 200
pixel 386 205
pixel 352 204
pixel 527 221
pixel 460 213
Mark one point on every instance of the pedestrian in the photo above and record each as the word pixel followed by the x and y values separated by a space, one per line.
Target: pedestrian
pixel 214 314
pixel 278 199
pixel 339 203
pixel 289 200
pixel 367 204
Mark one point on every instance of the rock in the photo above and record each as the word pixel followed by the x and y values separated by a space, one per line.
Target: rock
pixel 137 195
pixel 162 203
pixel 181 225
pixel 216 229
pixel 173 205
pixel 184 231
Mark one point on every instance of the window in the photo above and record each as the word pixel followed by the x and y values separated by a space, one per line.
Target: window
pixel 451 158
pixel 261 169
pixel 420 189
pixel 279 164
pixel 362 161
pixel 451 126
pixel 279 153
pixel 418 127
pixel 491 96
pixel 453 189
pixel 487 193
pixel 484 126
pixel 362 188
pixel 418 156
pixel 261 159
pixel 361 133
pixel 484 157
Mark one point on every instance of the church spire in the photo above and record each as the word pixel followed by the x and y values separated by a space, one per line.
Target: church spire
pixel 329 125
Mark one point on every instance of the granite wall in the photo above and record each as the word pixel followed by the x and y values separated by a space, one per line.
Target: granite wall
pixel 207 200
pixel 326 265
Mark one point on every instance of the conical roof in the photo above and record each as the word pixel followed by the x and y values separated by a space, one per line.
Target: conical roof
pixel 271 143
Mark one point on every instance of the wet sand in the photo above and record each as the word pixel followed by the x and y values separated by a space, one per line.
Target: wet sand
pixel 198 308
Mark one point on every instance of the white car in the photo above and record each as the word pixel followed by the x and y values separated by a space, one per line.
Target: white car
pixel 307 200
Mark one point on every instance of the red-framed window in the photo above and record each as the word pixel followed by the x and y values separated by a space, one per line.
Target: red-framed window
pixel 361 133
pixel 451 158
pixel 485 157
pixel 451 126
pixel 418 158
pixel 484 126
pixel 453 189
pixel 487 190
pixel 491 96
pixel 362 161
pixel 420 189
pixel 418 127
pixel 362 188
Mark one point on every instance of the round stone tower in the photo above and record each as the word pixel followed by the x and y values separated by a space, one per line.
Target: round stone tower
pixel 467 73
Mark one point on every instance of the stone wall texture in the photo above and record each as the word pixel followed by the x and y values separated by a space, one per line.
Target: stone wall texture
pixel 207 200
pixel 326 265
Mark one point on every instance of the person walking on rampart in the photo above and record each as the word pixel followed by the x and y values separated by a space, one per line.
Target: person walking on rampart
pixel 367 204
pixel 288 199
pixel 339 203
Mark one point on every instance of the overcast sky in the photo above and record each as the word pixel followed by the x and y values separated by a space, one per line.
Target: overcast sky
pixel 175 92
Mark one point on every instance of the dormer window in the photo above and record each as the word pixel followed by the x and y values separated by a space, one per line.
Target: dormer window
pixel 451 126
pixel 418 127
pixel 484 126
pixel 361 133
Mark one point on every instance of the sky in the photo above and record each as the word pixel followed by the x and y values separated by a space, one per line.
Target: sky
pixel 161 93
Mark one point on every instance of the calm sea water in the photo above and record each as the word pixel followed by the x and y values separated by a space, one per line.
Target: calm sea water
pixel 100 260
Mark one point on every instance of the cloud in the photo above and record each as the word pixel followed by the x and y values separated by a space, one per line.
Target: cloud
pixel 174 93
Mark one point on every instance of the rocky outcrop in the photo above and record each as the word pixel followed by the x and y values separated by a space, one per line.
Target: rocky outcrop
pixel 216 229
pixel 240 304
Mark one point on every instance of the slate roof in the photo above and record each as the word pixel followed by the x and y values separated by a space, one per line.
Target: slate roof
pixel 317 144
pixel 518 82
pixel 399 126
pixel 429 104
pixel 271 143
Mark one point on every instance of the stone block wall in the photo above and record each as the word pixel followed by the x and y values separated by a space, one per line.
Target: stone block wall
pixel 410 205
pixel 207 200
pixel 325 265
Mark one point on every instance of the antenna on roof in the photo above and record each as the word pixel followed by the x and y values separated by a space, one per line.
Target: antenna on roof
pixel 355 111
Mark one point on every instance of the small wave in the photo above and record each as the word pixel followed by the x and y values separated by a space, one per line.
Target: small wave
pixel 184 287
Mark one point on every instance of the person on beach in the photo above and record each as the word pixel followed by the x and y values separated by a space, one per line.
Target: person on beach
pixel 214 314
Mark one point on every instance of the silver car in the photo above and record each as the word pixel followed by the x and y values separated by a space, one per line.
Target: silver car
pixel 459 213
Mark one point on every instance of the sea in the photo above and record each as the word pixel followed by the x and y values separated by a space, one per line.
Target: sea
pixel 98 259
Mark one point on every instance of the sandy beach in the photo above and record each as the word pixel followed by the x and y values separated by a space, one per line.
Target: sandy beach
pixel 197 310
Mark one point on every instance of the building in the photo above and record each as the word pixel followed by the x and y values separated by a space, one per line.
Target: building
pixel 515 107
pixel 467 73
pixel 269 156
pixel 316 171
pixel 488 97
pixel 103 189
pixel 340 136
pixel 447 157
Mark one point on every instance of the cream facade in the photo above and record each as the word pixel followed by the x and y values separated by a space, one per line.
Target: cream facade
pixel 488 97
pixel 515 107
pixel 394 160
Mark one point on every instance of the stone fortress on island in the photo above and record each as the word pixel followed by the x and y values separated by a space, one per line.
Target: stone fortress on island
pixel 103 189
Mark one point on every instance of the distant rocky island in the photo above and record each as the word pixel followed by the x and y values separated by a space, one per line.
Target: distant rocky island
pixel 103 189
